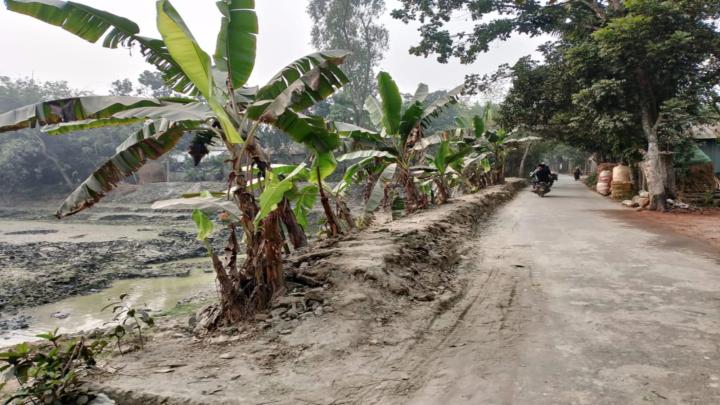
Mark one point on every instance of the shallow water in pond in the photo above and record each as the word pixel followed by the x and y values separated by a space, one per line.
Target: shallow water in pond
pixel 84 312
pixel 21 231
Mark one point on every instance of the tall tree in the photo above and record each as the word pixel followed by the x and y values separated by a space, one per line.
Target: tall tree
pixel 352 25
pixel 153 84
pixel 653 55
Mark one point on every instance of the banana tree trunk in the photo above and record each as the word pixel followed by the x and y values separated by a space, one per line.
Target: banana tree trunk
pixel 344 212
pixel 295 232
pixel 252 287
pixel 266 265
pixel 442 189
pixel 412 198
pixel 332 223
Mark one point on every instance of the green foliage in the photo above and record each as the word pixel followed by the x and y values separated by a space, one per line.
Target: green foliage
pixel 304 199
pixel 237 40
pixel 127 317
pixel 591 179
pixel 527 17
pixel 188 69
pixel 618 76
pixel 391 103
pixel 29 160
pixel 396 144
pixel 51 372
pixel 194 62
pixel 203 223
pixel 275 189
pixel 378 193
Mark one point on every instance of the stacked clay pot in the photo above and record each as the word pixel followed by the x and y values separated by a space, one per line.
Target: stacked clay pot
pixel 604 180
pixel 621 186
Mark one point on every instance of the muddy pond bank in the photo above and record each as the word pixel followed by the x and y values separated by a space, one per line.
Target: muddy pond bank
pixel 45 260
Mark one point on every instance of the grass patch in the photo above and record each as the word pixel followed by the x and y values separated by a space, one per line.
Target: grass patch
pixel 184 309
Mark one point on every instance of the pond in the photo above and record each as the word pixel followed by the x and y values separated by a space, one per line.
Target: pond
pixel 84 312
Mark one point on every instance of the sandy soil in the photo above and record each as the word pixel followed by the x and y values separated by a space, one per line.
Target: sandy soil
pixel 703 225
pixel 574 306
pixel 385 294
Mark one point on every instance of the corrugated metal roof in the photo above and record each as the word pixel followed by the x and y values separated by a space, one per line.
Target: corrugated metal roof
pixel 706 131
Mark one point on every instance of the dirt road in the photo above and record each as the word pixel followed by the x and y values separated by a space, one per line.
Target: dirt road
pixel 567 304
pixel 552 301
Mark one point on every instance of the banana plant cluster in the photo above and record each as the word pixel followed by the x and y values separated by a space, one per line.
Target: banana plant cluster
pixel 425 168
pixel 387 155
pixel 484 151
pixel 216 105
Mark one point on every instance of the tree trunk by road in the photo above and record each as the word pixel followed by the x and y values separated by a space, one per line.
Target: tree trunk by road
pixel 521 172
pixel 654 170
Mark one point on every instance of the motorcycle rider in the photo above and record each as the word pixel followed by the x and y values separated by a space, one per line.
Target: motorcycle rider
pixel 577 173
pixel 542 173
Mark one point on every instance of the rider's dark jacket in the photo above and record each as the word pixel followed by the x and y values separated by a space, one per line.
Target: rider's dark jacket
pixel 543 174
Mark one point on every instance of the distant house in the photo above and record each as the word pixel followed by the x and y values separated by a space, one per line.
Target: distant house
pixel 708 139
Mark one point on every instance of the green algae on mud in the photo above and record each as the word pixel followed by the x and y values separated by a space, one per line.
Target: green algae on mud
pixel 41 267
pixel 83 313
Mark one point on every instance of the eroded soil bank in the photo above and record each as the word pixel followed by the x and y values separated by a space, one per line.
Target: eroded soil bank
pixel 380 295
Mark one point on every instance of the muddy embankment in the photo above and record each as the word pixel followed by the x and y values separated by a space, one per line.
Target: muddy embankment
pixel 373 297
pixel 45 260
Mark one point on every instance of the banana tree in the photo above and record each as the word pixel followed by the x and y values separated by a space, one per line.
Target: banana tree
pixel 445 168
pixel 391 148
pixel 486 164
pixel 216 104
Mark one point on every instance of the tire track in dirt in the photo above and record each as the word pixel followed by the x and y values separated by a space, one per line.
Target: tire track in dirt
pixel 471 342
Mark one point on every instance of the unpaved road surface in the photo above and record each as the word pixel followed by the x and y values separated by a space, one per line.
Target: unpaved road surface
pixel 559 300
pixel 568 304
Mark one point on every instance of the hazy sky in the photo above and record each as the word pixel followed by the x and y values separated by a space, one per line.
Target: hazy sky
pixel 32 48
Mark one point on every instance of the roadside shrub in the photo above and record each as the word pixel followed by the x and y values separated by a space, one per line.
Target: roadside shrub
pixel 128 318
pixel 591 180
pixel 51 372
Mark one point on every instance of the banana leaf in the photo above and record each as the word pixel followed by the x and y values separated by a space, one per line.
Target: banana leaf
pixel 274 192
pixel 478 126
pixel 378 192
pixel 410 119
pixel 237 40
pixel 92 24
pixel 364 154
pixel 197 112
pixel 438 106
pixel 374 109
pixel 391 102
pixel 358 134
pixel 311 131
pixel 124 163
pixel 299 86
pixel 194 62
pixel 203 203
pixel 304 200
pixel 325 163
pixel 69 110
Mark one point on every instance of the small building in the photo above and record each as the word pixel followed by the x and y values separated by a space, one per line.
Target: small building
pixel 707 138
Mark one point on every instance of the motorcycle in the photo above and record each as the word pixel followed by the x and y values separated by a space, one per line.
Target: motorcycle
pixel 577 176
pixel 541 188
